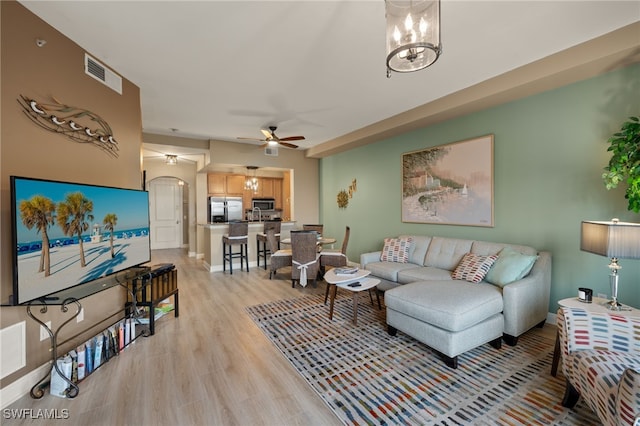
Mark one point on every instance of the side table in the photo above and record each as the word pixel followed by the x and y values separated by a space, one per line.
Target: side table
pixel 343 281
pixel 597 305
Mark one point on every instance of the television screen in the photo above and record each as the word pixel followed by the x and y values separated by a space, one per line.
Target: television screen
pixel 68 234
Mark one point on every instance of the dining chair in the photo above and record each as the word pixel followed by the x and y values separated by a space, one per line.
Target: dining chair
pixel 261 241
pixel 334 258
pixel 238 236
pixel 318 228
pixel 305 258
pixel 280 258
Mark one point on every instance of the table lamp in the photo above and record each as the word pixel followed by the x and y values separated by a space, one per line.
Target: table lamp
pixel 615 240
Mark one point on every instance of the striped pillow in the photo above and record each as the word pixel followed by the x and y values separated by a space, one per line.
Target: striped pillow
pixel 396 250
pixel 473 267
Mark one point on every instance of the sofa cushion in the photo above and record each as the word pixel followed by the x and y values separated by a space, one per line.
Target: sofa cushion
pixel 419 246
pixel 473 267
pixel 425 273
pixel 389 270
pixel 450 305
pixel 396 250
pixel 446 253
pixel 510 266
pixel 486 248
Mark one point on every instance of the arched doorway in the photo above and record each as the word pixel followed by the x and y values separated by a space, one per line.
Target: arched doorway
pixel 168 218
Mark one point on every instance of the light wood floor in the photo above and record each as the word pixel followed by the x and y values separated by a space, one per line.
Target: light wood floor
pixel 209 366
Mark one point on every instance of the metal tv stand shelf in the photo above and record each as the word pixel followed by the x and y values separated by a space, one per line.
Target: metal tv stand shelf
pixel 150 289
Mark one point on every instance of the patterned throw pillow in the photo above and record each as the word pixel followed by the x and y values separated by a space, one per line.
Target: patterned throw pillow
pixel 396 250
pixel 473 267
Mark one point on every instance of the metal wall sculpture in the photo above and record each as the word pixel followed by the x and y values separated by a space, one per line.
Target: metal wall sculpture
pixel 77 124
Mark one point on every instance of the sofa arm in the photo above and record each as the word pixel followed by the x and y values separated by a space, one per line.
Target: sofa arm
pixel 526 301
pixel 580 330
pixel 369 258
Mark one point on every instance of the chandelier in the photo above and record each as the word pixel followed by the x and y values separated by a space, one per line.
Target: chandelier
pixel 251 182
pixel 413 34
pixel 172 160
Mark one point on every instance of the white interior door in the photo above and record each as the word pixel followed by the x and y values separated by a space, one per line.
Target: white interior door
pixel 165 209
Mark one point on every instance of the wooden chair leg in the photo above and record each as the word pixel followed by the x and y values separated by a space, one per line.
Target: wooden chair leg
pixel 571 396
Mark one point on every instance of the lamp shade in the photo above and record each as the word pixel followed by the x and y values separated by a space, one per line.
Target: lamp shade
pixel 611 239
pixel 413 34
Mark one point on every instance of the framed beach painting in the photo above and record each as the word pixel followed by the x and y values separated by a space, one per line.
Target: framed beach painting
pixel 449 184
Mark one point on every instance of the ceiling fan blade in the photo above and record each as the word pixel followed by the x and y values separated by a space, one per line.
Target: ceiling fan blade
pixel 251 139
pixel 267 134
pixel 288 145
pixel 293 138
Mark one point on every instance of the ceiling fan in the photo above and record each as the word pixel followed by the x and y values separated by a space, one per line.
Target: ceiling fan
pixel 271 138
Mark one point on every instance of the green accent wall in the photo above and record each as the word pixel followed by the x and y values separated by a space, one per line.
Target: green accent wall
pixel 549 154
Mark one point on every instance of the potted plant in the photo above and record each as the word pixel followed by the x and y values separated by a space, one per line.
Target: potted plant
pixel 624 165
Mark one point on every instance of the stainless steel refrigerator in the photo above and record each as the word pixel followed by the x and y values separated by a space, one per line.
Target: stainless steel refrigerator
pixel 225 209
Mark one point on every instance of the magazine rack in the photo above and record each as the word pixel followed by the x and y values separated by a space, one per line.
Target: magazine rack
pixel 148 287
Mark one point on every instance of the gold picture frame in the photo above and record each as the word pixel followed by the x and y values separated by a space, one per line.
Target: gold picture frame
pixel 449 184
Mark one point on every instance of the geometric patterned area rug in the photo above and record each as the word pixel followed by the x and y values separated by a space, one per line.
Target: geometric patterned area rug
pixel 369 377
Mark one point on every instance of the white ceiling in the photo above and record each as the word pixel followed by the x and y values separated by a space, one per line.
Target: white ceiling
pixel 225 69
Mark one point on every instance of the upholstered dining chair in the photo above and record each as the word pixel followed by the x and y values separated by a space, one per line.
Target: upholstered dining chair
pixel 238 236
pixel 318 228
pixel 304 257
pixel 334 258
pixel 262 245
pixel 280 258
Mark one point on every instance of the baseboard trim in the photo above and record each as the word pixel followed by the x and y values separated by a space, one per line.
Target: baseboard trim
pixel 21 387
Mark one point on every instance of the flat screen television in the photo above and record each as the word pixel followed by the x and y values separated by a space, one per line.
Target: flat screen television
pixel 71 234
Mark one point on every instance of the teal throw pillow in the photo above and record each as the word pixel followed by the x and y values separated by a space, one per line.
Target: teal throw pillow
pixel 510 266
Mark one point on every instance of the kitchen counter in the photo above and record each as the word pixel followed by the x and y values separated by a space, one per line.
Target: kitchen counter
pixel 213 243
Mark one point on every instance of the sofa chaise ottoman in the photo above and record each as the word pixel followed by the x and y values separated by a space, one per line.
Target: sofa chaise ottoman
pixel 454 294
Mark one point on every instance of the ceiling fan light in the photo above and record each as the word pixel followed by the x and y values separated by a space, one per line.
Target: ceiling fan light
pixel 413 34
pixel 272 142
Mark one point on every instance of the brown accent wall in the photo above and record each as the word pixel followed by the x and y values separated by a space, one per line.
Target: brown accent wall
pixel 56 70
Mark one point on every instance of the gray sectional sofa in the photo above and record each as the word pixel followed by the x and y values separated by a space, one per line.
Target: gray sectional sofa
pixel 426 299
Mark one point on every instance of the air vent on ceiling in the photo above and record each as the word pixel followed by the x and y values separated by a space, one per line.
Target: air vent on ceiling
pixel 101 73
pixel 271 150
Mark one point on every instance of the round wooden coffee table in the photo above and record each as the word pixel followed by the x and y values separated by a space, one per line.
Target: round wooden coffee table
pixel 355 283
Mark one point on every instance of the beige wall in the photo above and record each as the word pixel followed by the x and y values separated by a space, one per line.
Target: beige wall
pixel 56 70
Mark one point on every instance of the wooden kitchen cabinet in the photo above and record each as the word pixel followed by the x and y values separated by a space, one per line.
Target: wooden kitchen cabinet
pixel 216 184
pixel 235 185
pixel 265 187
pixel 222 184
pixel 277 192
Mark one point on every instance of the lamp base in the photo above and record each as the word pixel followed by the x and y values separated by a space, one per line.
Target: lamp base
pixel 614 305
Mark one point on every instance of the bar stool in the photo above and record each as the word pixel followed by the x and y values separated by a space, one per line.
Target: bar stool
pixel 238 235
pixel 261 240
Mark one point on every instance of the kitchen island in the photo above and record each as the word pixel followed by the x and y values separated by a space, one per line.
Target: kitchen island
pixel 213 233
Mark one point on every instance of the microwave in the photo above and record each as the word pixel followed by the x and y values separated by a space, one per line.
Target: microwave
pixel 263 203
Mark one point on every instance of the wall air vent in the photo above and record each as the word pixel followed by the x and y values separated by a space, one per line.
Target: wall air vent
pixel 271 150
pixel 103 74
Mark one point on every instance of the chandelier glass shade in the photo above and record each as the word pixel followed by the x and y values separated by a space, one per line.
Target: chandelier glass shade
pixel 251 182
pixel 413 34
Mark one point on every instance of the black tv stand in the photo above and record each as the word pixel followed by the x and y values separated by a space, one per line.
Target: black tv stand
pixel 149 289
